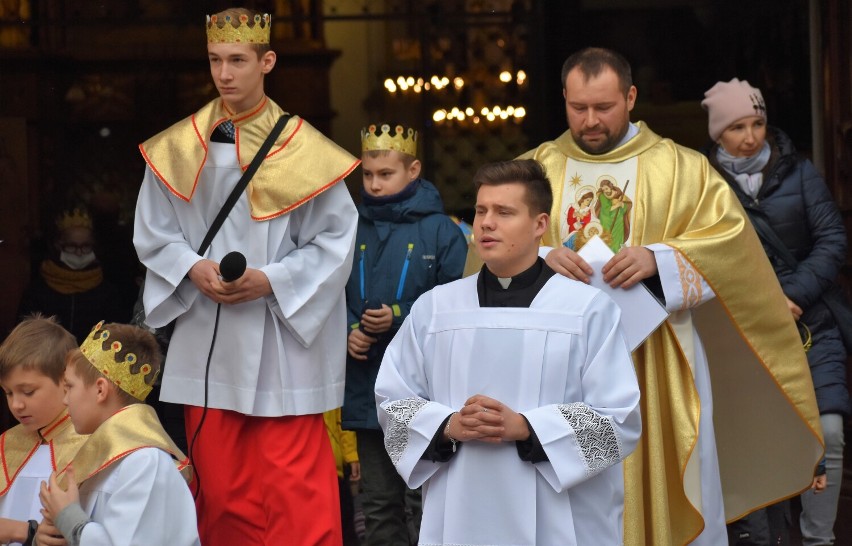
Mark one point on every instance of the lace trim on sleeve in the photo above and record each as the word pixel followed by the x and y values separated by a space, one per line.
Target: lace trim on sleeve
pixel 400 413
pixel 595 435
pixel 690 282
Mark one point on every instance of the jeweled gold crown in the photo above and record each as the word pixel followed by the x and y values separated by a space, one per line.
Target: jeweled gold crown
pixel 128 374
pixel 402 140
pixel 243 33
pixel 74 218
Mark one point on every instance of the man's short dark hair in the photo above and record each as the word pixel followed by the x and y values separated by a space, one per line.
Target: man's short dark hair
pixel 594 60
pixel 527 172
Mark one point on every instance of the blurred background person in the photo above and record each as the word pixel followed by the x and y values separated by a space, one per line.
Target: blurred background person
pixel 70 283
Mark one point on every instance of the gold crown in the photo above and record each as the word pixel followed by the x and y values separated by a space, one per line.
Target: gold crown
pixel 129 374
pixel 402 140
pixel 74 218
pixel 243 33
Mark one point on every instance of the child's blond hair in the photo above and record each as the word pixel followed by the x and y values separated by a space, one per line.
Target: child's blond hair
pixel 38 343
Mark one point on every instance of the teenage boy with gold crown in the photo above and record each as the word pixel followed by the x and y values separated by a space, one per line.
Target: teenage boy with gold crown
pixel 129 479
pixel 405 246
pixel 278 362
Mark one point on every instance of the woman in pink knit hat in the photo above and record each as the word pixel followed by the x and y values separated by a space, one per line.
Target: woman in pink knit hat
pixel 804 236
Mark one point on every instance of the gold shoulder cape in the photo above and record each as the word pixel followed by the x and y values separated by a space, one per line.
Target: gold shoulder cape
pixel 766 420
pixel 301 164
pixel 132 428
pixel 18 445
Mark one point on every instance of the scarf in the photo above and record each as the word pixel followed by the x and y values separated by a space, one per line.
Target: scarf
pixel 67 281
pixel 747 171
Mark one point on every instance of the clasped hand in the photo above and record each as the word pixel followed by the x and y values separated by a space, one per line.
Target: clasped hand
pixel 374 321
pixel 253 284
pixel 488 420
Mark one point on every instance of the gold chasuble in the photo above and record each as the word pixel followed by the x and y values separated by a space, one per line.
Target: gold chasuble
pixel 301 164
pixel 18 445
pixel 131 428
pixel 764 410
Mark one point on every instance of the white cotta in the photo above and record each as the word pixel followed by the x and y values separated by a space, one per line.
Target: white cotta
pixel 563 363
pixel 21 502
pixel 141 499
pixel 283 354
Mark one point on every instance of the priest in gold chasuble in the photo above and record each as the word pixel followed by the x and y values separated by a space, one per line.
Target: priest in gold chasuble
pixel 673 222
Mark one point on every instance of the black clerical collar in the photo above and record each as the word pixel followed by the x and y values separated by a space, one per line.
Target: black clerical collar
pixel 520 281
pixel 523 289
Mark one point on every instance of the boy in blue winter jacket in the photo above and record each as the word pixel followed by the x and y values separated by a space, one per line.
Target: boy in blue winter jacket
pixel 405 246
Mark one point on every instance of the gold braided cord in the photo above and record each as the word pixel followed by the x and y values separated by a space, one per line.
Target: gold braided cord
pixel 808 340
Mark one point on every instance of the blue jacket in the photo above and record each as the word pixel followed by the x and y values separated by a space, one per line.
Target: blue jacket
pixel 405 246
pixel 797 204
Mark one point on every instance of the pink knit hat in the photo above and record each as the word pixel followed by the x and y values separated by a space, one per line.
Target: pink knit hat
pixel 727 102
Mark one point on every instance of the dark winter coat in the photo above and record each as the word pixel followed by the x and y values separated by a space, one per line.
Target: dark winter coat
pixel 797 204
pixel 77 312
pixel 404 237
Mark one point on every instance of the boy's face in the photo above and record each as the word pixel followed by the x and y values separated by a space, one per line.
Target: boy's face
pixel 386 174
pixel 238 73
pixel 82 402
pixel 507 234
pixel 34 399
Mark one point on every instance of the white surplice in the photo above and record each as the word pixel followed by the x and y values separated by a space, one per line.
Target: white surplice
pixel 141 499
pixel 279 355
pixel 563 363
pixel 21 502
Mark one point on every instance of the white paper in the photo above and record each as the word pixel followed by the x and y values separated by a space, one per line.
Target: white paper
pixel 641 313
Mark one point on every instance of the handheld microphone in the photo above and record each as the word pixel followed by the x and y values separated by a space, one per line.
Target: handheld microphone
pixel 232 266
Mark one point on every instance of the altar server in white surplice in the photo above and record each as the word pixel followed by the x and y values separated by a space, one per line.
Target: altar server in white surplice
pixel 510 395
pixel 256 360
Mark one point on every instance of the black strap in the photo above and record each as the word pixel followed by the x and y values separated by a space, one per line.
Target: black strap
pixel 241 185
pixel 765 232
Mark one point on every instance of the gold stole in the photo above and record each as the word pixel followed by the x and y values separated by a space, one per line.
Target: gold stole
pixel 18 445
pixel 764 396
pixel 301 164
pixel 131 428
